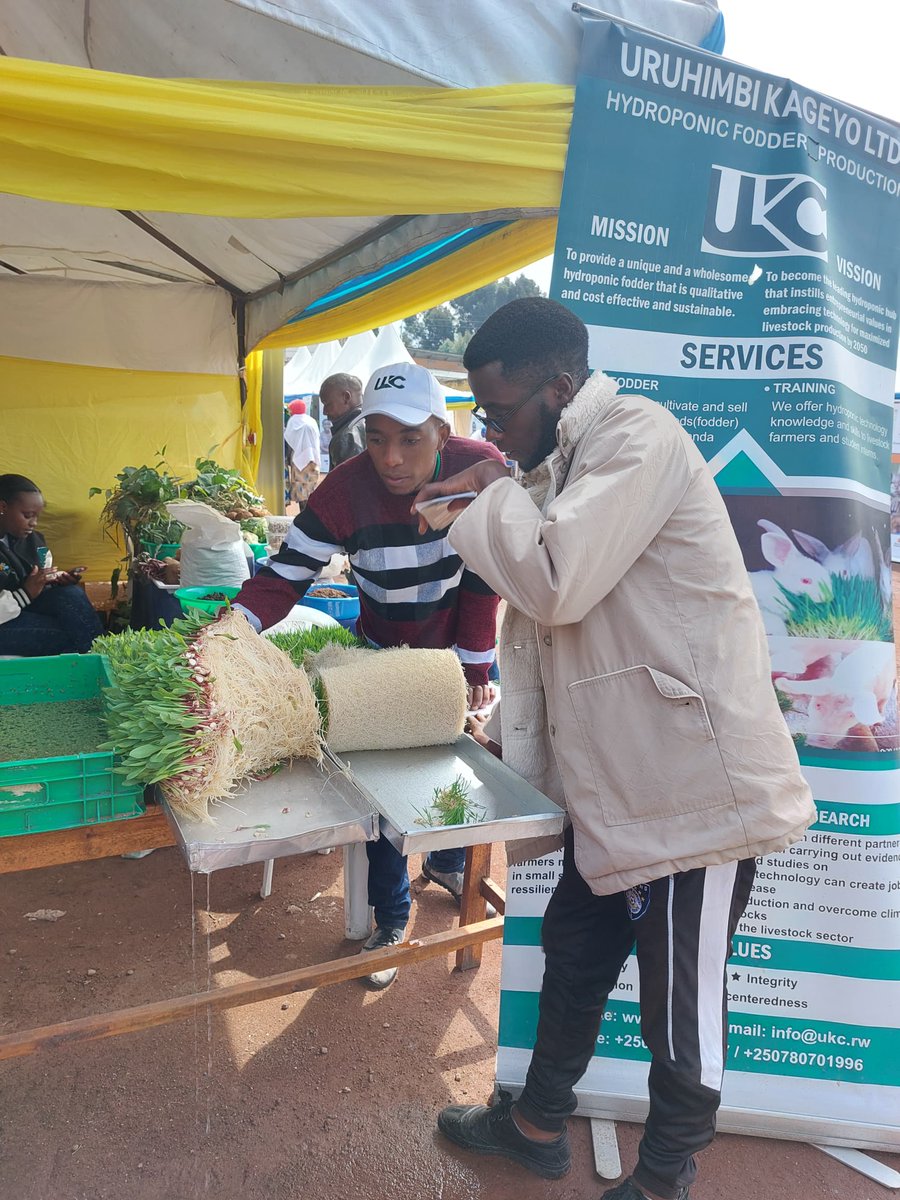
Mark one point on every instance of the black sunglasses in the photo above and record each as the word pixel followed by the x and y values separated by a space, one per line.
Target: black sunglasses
pixel 500 426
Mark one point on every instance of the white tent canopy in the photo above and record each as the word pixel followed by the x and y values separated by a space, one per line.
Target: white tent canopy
pixel 267 269
pixel 354 351
pixel 472 43
pixel 320 366
pixel 361 355
pixel 293 370
pixel 387 348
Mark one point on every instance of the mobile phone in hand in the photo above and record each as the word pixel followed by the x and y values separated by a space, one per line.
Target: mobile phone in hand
pixel 437 512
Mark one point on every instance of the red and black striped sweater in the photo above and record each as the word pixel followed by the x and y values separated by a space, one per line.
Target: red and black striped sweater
pixel 414 590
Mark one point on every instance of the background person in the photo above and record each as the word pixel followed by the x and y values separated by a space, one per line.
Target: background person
pixel 341 398
pixel 636 690
pixel 413 588
pixel 301 437
pixel 41 612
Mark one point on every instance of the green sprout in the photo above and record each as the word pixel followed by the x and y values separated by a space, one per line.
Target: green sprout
pixel 157 708
pixel 451 805
pixel 856 612
pixel 297 644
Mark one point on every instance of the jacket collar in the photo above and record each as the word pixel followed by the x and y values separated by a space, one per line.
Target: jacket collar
pixel 19 555
pixel 345 419
pixel 545 480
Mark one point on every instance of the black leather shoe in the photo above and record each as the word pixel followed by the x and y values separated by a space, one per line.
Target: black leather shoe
pixel 493 1131
pixel 384 935
pixel 629 1190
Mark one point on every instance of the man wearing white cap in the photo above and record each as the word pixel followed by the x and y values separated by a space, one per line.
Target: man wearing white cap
pixel 413 589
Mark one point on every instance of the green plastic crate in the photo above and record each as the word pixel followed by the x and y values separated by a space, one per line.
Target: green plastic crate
pixel 65 792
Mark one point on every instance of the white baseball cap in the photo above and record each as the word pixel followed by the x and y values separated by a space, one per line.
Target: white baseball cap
pixel 405 392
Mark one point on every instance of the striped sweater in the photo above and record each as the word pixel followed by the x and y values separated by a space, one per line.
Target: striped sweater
pixel 414 590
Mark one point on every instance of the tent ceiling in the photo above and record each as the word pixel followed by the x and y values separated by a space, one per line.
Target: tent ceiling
pixel 40 237
pixel 470 43
pixel 466 43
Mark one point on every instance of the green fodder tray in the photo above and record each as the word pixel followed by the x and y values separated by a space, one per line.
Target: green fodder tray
pixel 39 793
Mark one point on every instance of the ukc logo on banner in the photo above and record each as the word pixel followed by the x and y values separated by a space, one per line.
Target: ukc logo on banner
pixel 766 216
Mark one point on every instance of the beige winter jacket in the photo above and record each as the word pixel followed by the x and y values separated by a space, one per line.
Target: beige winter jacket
pixel 635 673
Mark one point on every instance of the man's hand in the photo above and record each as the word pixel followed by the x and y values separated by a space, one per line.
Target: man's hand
pixel 481 696
pixel 475 723
pixel 66 578
pixel 474 479
pixel 37 581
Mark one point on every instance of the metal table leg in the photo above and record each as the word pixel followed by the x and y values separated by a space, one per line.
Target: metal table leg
pixel 357 913
pixel 265 888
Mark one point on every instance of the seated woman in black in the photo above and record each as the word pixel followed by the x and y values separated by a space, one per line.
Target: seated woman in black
pixel 40 611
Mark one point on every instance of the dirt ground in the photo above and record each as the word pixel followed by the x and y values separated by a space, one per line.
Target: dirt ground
pixel 330 1093
pixel 326 1094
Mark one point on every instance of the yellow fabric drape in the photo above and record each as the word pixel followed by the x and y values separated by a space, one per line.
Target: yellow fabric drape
pixel 71 428
pixel 252 417
pixel 96 138
pixel 488 259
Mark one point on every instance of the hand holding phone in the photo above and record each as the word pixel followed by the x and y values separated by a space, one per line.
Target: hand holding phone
pixel 35 583
pixel 68 577
pixel 443 510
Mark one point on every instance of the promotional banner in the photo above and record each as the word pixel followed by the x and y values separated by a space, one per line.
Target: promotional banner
pixel 731 241
pixel 895 486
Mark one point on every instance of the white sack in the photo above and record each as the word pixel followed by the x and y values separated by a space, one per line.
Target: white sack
pixel 213 552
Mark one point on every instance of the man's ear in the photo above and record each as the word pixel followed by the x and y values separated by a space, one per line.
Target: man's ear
pixel 564 390
pixel 443 433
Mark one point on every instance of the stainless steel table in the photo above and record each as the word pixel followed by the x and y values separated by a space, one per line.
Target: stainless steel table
pixel 400 784
pixel 301 808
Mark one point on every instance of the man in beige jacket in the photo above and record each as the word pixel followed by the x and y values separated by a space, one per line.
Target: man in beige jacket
pixel 637 692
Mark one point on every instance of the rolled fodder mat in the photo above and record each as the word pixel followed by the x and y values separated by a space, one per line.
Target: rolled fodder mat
pixel 392 699
pixel 203 705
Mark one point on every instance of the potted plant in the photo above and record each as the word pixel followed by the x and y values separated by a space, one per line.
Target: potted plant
pixel 137 504
pixel 137 507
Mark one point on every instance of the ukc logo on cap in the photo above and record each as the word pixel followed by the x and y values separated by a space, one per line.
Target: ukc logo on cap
pixel 389 381
pixel 764 216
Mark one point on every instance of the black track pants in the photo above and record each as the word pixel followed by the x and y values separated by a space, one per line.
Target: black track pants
pixel 682 926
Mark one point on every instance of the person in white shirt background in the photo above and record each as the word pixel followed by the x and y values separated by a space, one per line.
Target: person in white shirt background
pixel 302 450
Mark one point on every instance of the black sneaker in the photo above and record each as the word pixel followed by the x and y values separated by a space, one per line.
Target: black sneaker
pixel 384 935
pixel 629 1190
pixel 493 1131
pixel 452 882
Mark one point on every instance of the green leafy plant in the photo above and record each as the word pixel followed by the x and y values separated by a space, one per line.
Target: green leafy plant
pixel 137 504
pixel 201 705
pixel 451 805
pixel 158 703
pixel 227 492
pixel 255 529
pixel 856 612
